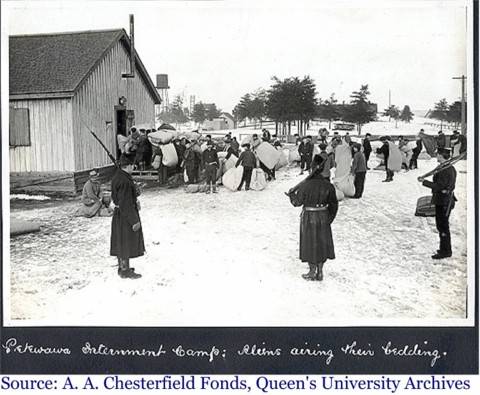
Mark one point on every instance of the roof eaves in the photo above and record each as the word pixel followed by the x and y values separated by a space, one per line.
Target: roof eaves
pixel 144 73
pixel 65 33
pixel 40 95
pixel 123 35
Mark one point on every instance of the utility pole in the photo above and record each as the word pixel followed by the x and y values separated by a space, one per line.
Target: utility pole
pixel 464 124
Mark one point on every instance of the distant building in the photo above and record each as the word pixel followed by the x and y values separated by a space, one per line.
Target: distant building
pixel 224 122
pixel 62 85
pixel 229 120
pixel 214 124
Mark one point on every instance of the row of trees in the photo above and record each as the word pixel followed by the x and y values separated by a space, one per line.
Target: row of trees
pixel 445 112
pixel 293 100
pixel 202 112
pixel 252 106
pixel 442 111
pixel 394 112
pixel 177 114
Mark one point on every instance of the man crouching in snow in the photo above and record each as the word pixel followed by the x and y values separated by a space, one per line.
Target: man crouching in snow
pixel 92 199
pixel 320 206
pixel 127 237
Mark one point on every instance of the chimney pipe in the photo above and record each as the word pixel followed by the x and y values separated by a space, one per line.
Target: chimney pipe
pixel 132 51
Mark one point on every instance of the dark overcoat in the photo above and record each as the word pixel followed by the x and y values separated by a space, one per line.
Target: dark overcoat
pixel 443 186
pixel 316 240
pixel 385 150
pixel 189 156
pixel 367 147
pixel 124 242
pixel 247 159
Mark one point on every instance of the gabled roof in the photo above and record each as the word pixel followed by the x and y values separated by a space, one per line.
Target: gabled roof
pixel 228 115
pixel 56 65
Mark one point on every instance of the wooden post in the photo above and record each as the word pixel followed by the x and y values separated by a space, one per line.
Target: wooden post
pixel 463 116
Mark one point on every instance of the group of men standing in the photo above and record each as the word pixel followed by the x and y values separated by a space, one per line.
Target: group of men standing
pixel 359 158
pixel 320 204
pixel 316 194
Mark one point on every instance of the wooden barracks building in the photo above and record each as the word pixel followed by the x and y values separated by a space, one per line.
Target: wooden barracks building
pixel 62 85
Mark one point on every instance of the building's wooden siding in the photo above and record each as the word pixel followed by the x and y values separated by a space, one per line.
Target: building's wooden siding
pixel 51 136
pixel 93 105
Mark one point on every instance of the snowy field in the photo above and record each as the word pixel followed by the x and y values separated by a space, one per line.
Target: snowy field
pixel 380 127
pixel 231 259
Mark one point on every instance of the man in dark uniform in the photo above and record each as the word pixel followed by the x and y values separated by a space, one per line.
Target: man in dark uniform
pixel 210 163
pixel 266 135
pixel 367 148
pixel 358 170
pixel 305 150
pixel 323 134
pixel 127 237
pixel 416 152
pixel 235 146
pixel 249 161
pixel 228 148
pixel 347 138
pixel 385 150
pixel 462 139
pixel 320 206
pixel 459 139
pixel 441 140
pixel 443 198
pixel 329 161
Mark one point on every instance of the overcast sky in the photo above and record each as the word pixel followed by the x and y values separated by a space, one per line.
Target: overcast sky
pixel 220 50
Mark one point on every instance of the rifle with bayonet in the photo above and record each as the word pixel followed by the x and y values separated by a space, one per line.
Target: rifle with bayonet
pixel 443 166
pixel 112 158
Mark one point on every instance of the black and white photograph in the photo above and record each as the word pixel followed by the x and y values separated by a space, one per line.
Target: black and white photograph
pixel 238 164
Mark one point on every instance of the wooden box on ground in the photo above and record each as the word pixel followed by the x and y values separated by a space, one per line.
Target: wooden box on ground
pixel 55 183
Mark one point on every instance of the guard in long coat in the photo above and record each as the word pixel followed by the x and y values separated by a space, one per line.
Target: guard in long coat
pixel 127 237
pixel 320 206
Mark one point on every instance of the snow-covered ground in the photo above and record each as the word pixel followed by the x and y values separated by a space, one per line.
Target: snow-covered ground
pixel 231 259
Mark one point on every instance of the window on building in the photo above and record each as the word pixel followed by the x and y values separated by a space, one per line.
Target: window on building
pixel 19 127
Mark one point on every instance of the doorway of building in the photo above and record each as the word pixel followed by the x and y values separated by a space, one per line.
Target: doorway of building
pixel 120 126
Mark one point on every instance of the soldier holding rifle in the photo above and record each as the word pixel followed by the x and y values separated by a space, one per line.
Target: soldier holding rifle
pixel 443 185
pixel 127 237
pixel 320 207
pixel 126 240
